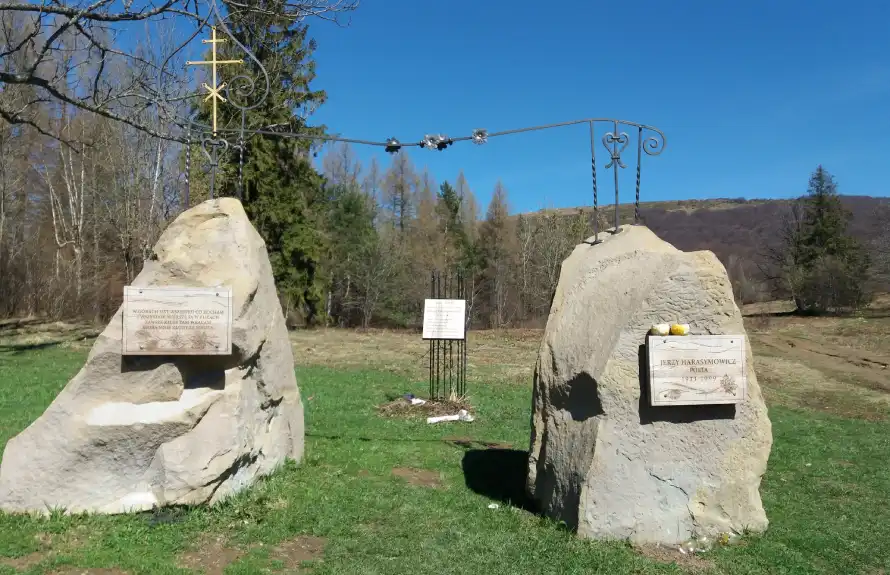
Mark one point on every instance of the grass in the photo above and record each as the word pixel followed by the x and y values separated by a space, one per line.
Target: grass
pixel 391 495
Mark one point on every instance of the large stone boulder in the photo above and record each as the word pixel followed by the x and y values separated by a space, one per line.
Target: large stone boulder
pixel 602 459
pixel 130 433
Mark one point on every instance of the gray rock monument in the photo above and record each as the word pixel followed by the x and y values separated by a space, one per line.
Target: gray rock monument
pixel 603 459
pixel 131 432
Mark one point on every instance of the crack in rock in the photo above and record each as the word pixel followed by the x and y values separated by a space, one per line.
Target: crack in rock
pixel 668 482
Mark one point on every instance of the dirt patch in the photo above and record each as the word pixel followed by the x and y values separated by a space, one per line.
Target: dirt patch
pixel 768 308
pixel 88 571
pixel 25 562
pixel 49 545
pixel 23 334
pixel 401 407
pixel 211 556
pixel 867 369
pixel 793 384
pixel 421 477
pixel 293 552
pixel 691 563
pixel 467 443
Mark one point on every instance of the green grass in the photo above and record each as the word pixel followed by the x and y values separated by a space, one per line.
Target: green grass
pixel 825 493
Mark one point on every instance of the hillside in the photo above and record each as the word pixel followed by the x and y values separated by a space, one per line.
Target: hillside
pixel 739 227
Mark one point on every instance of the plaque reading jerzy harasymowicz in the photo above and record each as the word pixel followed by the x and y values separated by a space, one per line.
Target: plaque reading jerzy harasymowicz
pixel 177 321
pixel 697 369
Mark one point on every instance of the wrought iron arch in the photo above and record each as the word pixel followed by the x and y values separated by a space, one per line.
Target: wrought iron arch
pixel 240 92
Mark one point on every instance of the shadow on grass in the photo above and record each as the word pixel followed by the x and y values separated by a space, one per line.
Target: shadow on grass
pixel 499 474
pixel 338 437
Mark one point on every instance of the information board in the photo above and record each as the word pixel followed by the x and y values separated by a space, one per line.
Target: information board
pixel 177 321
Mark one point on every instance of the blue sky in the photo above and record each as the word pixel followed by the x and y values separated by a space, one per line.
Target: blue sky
pixel 751 95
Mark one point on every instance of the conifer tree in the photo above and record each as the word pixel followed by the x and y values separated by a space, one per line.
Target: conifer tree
pixel 283 194
pixel 828 266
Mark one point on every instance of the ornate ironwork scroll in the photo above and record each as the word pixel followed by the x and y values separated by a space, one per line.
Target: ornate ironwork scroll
pixel 241 91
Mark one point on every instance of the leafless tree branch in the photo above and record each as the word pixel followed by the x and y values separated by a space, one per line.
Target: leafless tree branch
pixel 69 51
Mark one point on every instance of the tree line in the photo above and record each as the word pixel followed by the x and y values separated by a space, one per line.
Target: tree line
pixel 84 196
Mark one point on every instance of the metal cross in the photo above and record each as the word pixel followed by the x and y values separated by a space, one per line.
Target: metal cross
pixel 214 90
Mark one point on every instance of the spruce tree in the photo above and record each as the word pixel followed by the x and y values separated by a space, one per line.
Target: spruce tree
pixel 283 194
pixel 831 265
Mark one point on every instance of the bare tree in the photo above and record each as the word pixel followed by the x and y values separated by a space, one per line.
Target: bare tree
pixel 781 261
pixel 341 167
pixel 68 51
pixel 526 232
pixel 880 246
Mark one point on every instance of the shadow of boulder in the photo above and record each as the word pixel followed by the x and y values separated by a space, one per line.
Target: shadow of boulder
pixel 499 474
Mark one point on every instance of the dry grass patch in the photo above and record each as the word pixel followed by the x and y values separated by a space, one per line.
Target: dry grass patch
pixel 789 382
pixel 22 334
pixel 419 477
pixel 688 562
pixel 90 571
pixel 503 355
pixel 402 408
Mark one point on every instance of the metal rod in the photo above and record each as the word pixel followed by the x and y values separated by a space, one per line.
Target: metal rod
pixel 447 348
pixel 213 165
pixel 615 169
pixel 432 294
pixel 655 150
pixel 466 341
pixel 241 156
pixel 188 165
pixel 639 162
pixel 593 173
pixel 460 344
pixel 438 342
pixel 451 382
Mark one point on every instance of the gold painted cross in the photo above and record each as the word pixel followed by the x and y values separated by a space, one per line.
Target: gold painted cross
pixel 214 90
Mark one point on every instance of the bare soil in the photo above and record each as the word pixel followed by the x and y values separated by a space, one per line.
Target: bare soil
pixel 51 545
pixel 25 562
pixel 690 563
pixel 865 368
pixel 90 571
pixel 211 556
pixel 419 477
pixel 294 552
pixel 467 443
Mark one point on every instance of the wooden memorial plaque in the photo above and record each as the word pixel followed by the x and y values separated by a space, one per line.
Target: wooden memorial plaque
pixel 444 318
pixel 697 369
pixel 177 321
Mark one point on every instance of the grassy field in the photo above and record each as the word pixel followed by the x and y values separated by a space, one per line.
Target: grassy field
pixel 392 495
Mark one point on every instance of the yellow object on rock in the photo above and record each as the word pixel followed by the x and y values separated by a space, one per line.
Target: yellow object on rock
pixel 680 329
pixel 660 329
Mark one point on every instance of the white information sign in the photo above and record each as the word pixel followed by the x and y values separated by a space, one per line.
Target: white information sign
pixel 177 321
pixel 697 369
pixel 444 318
